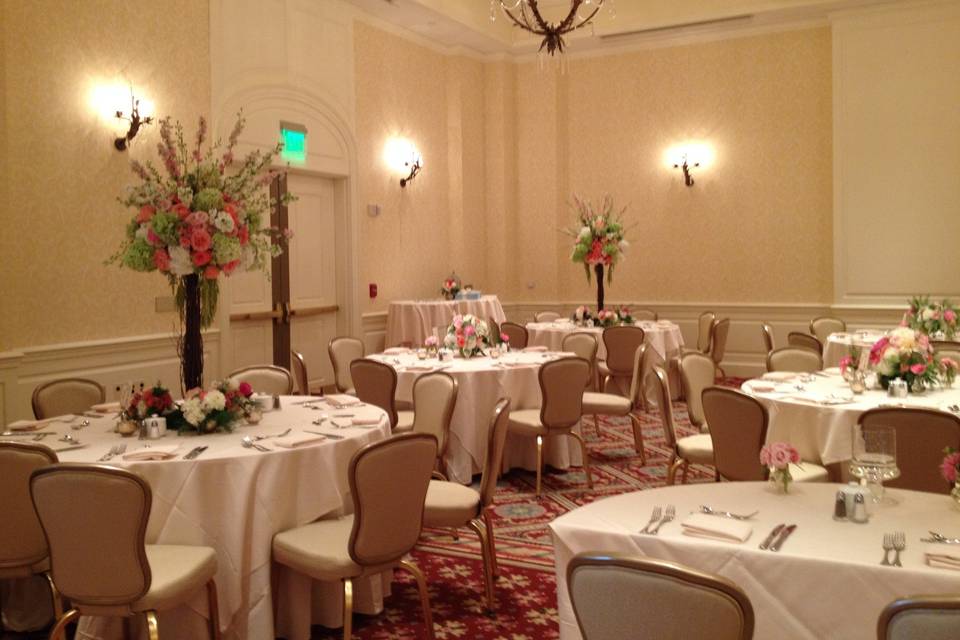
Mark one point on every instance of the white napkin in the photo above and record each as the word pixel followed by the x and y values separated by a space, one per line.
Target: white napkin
pixel 364 422
pixel 517 364
pixel 832 371
pixel 396 351
pixel 942 556
pixel 535 348
pixel 418 367
pixel 343 400
pixel 780 376
pixel 106 407
pixel 702 525
pixel 759 386
pixel 158 452
pixel 299 440
pixel 31 425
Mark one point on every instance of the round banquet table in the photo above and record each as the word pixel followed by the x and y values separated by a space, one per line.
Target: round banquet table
pixel 825 582
pixel 481 382
pixel 818 419
pixel 839 344
pixel 662 336
pixel 413 320
pixel 234 500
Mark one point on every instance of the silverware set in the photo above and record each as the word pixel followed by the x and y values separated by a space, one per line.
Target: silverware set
pixel 193 453
pixel 939 538
pixel 895 542
pixel 726 514
pixel 115 450
pixel 248 443
pixel 658 518
pixel 321 433
pixel 278 435
pixel 69 439
pixel 774 541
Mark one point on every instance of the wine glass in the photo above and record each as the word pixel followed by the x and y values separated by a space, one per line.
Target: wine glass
pixel 875 458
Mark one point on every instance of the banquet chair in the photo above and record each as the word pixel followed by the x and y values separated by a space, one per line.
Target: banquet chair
pixel 376 383
pixel 546 316
pixel 265 378
pixel 946 349
pixel 718 343
pixel 517 333
pixel 610 404
pixel 584 345
pixel 67 395
pixel 561 389
pixel 644 314
pixel 738 429
pixel 300 372
pixel 616 596
pixel 705 324
pixel 388 485
pixel 94 518
pixel 921 437
pixel 696 374
pixel 434 399
pixel 23 549
pixel 804 341
pixel 823 326
pixel 798 359
pixel 695 449
pixel 927 617
pixel 621 343
pixel 768 340
pixel 451 504
pixel 343 350
pixel 493 327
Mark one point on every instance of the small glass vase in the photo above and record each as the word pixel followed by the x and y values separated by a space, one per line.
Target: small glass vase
pixel 781 479
pixel 955 494
pixel 918 387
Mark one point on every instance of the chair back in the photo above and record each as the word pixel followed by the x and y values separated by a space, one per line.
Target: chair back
pixel 947 349
pixel 517 334
pixel 94 518
pixel 266 378
pixel 343 351
pixel 768 341
pixel 298 364
pixel 584 344
pixel 637 379
pixel 665 405
pixel 376 384
pixel 738 429
pixel 644 314
pixel 804 341
pixel 67 395
pixel 622 343
pixel 494 328
pixel 922 435
pixel 496 440
pixel 561 387
pixel 21 539
pixel 927 617
pixel 705 331
pixel 546 316
pixel 617 596
pixel 697 372
pixel 434 399
pixel 799 359
pixel 718 343
pixel 388 482
pixel 823 326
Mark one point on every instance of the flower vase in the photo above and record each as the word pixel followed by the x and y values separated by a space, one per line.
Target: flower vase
pixel 191 342
pixel 918 386
pixel 955 494
pixel 598 268
pixel 781 480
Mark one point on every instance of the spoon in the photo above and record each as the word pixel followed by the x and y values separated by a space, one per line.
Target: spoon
pixel 248 443
pixel 726 514
pixel 279 435
pixel 83 423
pixel 69 438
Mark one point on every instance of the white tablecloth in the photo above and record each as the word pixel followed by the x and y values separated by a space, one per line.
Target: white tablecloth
pixel 838 345
pixel 414 320
pixel 234 500
pixel 481 382
pixel 823 432
pixel 826 582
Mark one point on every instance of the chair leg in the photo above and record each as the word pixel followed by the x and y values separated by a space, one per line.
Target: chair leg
pixel 454 534
pixel 675 463
pixel 424 595
pixel 213 606
pixel 686 468
pixel 638 438
pixel 153 628
pixel 481 532
pixel 494 565
pixel 274 591
pixel 55 595
pixel 348 609
pixel 58 631
pixel 585 456
pixel 596 424
pixel 539 463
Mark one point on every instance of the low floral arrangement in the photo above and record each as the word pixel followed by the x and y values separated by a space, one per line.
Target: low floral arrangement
pixel 599 236
pixel 467 334
pixel 432 343
pixel 608 318
pixel 450 287
pixel 950 467
pixel 152 401
pixel 625 316
pixel 948 370
pixel 582 315
pixel 935 319
pixel 217 409
pixel 778 456
pixel 849 364
pixel 904 353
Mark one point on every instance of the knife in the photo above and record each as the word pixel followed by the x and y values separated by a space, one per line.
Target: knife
pixel 773 534
pixel 328 435
pixel 783 537
pixel 28 433
pixel 194 453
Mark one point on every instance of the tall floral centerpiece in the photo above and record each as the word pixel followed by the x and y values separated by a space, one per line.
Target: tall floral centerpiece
pixel 939 320
pixel 599 240
pixel 467 334
pixel 204 216
pixel 450 287
pixel 906 354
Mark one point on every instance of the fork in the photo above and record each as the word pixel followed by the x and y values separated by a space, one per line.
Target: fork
pixel 899 544
pixel 278 435
pixel 657 512
pixel 670 515
pixel 887 548
pixel 109 454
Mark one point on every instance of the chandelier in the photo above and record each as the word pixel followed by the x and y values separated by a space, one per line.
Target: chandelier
pixel 526 15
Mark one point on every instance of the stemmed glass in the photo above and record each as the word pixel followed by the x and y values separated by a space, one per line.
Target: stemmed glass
pixel 875 458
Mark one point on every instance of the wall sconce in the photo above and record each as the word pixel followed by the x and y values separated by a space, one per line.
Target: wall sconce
pixel 687 178
pixel 135 120
pixel 687 156
pixel 402 156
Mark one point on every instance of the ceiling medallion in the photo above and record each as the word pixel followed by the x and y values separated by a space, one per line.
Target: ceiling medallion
pixel 526 15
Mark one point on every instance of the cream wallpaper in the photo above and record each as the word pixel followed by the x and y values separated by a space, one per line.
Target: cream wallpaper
pixel 59 214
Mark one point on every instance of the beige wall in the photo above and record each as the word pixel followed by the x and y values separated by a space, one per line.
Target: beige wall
pixel 60 218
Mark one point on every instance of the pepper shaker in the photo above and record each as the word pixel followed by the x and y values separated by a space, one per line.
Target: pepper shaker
pixel 840 507
pixel 276 402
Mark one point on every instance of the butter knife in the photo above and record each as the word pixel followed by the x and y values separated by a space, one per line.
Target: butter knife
pixel 328 435
pixel 773 534
pixel 783 537
pixel 194 453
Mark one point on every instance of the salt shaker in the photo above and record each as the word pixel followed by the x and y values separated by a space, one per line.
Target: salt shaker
pixel 840 508
pixel 859 509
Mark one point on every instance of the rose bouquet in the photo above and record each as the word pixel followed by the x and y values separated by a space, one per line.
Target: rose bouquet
pixel 467 334
pixel 948 370
pixel 950 467
pixel 625 316
pixel 599 240
pixel 217 409
pixel 905 353
pixel 850 364
pixel 152 401
pixel 778 456
pixel 582 315
pixel 608 318
pixel 450 287
pixel 935 319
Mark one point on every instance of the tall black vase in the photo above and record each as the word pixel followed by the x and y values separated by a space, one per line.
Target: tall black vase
pixel 191 343
pixel 598 268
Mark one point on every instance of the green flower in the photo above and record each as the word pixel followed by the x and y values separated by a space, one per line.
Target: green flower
pixel 225 248
pixel 165 226
pixel 208 200
pixel 139 256
pixel 208 177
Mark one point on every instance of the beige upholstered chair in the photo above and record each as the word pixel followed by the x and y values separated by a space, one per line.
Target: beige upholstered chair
pixel 388 484
pixel 915 617
pixel 609 404
pixel 584 345
pixel 644 314
pixel 947 349
pixel 266 378
pixel 616 597
pixel 696 374
pixel 823 326
pixel 68 395
pixel 94 518
pixel 343 350
pixel 494 328
pixel 696 449
pixel 768 341
pixel 799 359
pixel 561 388
pixel 804 341
pixel 450 504
pixel 23 549
pixel 705 324
pixel 434 399
pixel 546 316
pixel 517 334
pixel 299 364
pixel 718 343
pixel 922 435
pixel 621 343
pixel 738 427
pixel 376 383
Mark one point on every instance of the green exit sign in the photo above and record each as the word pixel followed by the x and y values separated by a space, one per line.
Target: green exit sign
pixel 294 139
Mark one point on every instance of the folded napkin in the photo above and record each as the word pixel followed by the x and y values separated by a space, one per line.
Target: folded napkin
pixel 153 452
pixel 535 349
pixel 342 400
pixel 702 525
pixel 33 425
pixel 299 440
pixel 418 367
pixel 780 376
pixel 365 422
pixel 832 371
pixel 396 351
pixel 106 407
pixel 517 364
pixel 942 556
pixel 760 386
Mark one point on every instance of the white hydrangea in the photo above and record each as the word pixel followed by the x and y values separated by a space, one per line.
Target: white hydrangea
pixel 180 263
pixel 214 401
pixel 223 221
pixel 585 232
pixel 233 384
pixel 141 232
pixel 193 412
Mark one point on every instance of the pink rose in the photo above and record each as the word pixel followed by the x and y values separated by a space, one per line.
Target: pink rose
pixel 243 234
pixel 245 389
pixel 918 369
pixel 780 457
pixel 200 239
pixel 200 258
pixel 950 316
pixel 181 210
pixel 146 212
pixel 198 218
pixel 765 456
pixel 469 331
pixel 153 238
pixel 845 363
pixel 230 266
pixel 504 337
pixel 949 467
pixel 211 272
pixel 161 259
